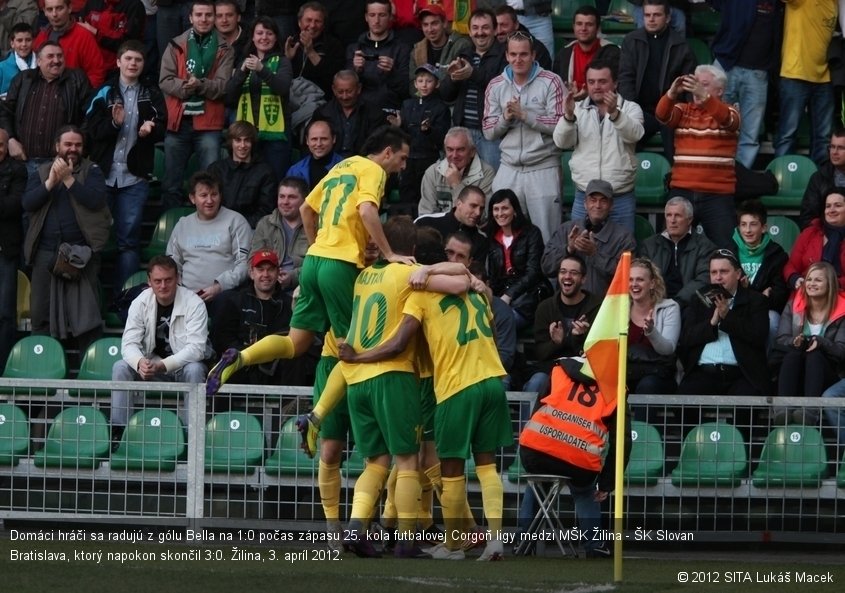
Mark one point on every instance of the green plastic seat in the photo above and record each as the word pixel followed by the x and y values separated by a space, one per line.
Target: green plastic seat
pixel 96 365
pixel 650 187
pixel 288 458
pixel 35 357
pixel 354 464
pixel 619 18
pixel 14 434
pixel 642 228
pixel 713 454
pixel 79 438
pixel 792 456
pixel 705 21
pixel 840 473
pixel 154 439
pixel 234 443
pixel 645 466
pixel 784 231
pixel 700 50
pixel 163 230
pixel 793 173
pixel 111 318
pixel 563 11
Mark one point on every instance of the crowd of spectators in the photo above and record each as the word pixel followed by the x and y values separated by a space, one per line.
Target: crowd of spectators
pixel 292 88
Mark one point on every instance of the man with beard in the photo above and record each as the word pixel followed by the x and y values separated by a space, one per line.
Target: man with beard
pixel 66 202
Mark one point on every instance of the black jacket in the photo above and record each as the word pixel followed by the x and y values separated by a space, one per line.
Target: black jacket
pixel 101 135
pixel 812 204
pixel 247 188
pixel 331 53
pixel 525 274
pixel 383 89
pixel 747 325
pixel 677 60
pixel 75 90
pixel 492 64
pixel 549 311
pixel 426 144
pixel 770 274
pixel 445 223
pixel 351 132
pixel 12 185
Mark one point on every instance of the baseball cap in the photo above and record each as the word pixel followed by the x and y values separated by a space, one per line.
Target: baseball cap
pixel 426 68
pixel 599 186
pixel 434 9
pixel 259 257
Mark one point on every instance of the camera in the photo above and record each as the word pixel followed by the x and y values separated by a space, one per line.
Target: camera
pixel 371 57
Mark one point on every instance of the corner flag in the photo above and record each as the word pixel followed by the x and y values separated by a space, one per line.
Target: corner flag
pixel 604 349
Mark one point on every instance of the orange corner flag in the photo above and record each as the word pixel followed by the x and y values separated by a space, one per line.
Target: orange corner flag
pixel 604 349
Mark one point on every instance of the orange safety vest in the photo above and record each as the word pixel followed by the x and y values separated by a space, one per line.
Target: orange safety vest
pixel 570 424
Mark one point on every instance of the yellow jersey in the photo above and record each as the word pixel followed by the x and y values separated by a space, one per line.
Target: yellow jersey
pixel 329 345
pixel 807 29
pixel 379 299
pixel 459 332
pixel 341 233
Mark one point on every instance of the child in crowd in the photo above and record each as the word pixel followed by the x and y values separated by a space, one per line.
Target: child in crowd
pixel 20 58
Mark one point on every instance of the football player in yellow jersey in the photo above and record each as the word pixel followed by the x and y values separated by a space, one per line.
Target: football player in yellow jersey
pixel 472 414
pixel 338 217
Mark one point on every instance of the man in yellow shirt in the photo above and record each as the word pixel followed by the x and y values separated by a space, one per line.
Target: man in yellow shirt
pixel 338 216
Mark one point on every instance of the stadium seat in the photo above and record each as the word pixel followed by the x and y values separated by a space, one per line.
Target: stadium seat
pixel 645 466
pixel 289 458
pixel 14 434
pixel 700 50
pixel 840 473
pixel 79 438
pixel 784 231
pixel 642 228
pixel 793 173
pixel 96 365
pixel 154 439
pixel 705 21
pixel 111 318
pixel 163 229
pixel 563 11
pixel 234 443
pixel 515 470
pixel 650 187
pixel 24 290
pixel 354 464
pixel 35 357
pixel 792 456
pixel 713 454
pixel 620 17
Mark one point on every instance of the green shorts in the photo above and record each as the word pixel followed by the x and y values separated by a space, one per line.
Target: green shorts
pixel 385 414
pixel 474 420
pixel 335 426
pixel 325 295
pixel 427 405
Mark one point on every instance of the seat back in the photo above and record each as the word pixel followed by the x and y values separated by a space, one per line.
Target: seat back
pixel 79 437
pixel 650 187
pixel 234 442
pixel 288 457
pixel 14 434
pixel 784 231
pixel 642 228
pixel 793 172
pixel 700 50
pixel 163 230
pixel 645 465
pixel 563 11
pixel 154 439
pixel 98 360
pixel 36 357
pixel 620 17
pixel 714 454
pixel 792 456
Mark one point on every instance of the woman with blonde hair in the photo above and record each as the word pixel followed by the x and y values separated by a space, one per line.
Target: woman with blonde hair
pixel 811 336
pixel 653 331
